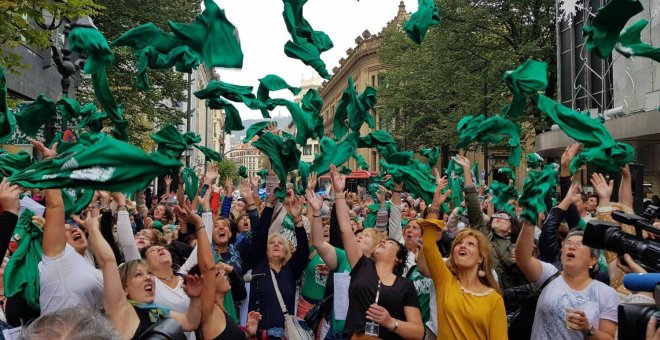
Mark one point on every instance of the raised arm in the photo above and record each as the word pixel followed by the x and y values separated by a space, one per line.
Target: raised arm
pixel 121 314
pixel 394 226
pixel 549 243
pixel 301 255
pixel 625 188
pixel 9 217
pixel 475 214
pixel 527 263
pixel 434 262
pixel 353 252
pixel 54 239
pixel 314 205
pixel 565 178
pixel 124 230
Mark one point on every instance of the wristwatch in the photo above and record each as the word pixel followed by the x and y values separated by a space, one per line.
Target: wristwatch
pixel 591 331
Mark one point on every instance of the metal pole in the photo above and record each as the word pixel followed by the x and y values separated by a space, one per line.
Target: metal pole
pixel 189 113
pixel 485 148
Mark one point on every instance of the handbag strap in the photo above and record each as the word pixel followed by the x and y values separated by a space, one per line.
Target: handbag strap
pixel 277 292
pixel 554 276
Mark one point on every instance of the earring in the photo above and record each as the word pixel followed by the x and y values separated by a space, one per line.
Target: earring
pixel 481 273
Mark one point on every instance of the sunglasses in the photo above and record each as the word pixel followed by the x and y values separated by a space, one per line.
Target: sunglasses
pixel 502 216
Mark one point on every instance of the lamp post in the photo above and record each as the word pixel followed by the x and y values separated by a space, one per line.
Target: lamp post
pixel 66 66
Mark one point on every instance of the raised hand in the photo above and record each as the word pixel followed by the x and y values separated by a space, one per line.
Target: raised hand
pixel 91 221
pixel 192 286
pixel 567 158
pixel 313 200
pixel 295 208
pixel 338 180
pixel 43 150
pixel 211 174
pixel 311 181
pixel 462 161
pixel 9 196
pixel 184 212
pixel 252 324
pixel 602 187
pixel 168 180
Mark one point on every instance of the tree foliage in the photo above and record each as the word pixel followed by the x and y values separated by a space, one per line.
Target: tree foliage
pixel 458 68
pixel 18 20
pixel 227 169
pixel 165 102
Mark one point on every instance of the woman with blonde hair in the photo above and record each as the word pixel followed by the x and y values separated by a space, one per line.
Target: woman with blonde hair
pixel 273 256
pixel 467 295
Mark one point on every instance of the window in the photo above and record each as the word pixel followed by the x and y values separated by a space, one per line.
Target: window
pixel 316 149
pixel 307 150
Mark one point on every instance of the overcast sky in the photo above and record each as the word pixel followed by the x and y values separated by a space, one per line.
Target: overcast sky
pixel 263 35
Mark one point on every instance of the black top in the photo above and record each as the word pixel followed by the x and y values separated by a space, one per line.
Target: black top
pixel 232 331
pixel 147 318
pixel 362 293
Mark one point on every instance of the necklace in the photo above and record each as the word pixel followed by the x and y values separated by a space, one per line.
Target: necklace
pixel 166 279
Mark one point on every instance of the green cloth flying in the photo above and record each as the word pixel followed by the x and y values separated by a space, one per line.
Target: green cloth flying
pixel 69 108
pixel 431 155
pixel 11 163
pixel 353 109
pixel 455 178
pixel 475 173
pixel 303 173
pixel 172 143
pixel 97 162
pixel 235 93
pixel 256 129
pixel 157 50
pixel 534 161
pixel 212 36
pixel 306 44
pixel 630 42
pixel 344 170
pixel 413 173
pixel 7 120
pixel 33 116
pixel 92 118
pixel 535 188
pixel 361 163
pixel 600 148
pixel 283 154
pixel 528 79
pixel 22 272
pixel 334 153
pixel 99 58
pixel 270 83
pixel 190 182
pixel 508 173
pixel 427 14
pixel 233 121
pixel 209 154
pixel 490 130
pixel 381 140
pixel 306 116
pixel 502 194
pixel 603 33
pixel 263 174
pixel 242 171
pixel 76 200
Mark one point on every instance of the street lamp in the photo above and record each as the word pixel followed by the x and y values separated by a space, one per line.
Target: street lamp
pixel 66 67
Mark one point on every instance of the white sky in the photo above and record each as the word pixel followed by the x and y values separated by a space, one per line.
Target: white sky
pixel 263 35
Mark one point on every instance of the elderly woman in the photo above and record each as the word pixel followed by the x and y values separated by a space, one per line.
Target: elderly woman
pixel 128 291
pixel 381 301
pixel 573 305
pixel 273 254
pixel 467 295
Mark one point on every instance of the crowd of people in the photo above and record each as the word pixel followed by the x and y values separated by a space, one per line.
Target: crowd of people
pixel 232 264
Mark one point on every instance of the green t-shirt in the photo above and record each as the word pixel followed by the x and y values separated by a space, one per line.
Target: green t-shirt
pixel 342 267
pixel 423 286
pixel 314 284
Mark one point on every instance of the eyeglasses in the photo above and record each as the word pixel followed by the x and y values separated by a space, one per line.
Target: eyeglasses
pixel 577 244
pixel 502 216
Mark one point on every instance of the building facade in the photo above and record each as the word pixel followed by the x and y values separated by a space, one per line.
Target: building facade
pixel 626 92
pixel 361 63
pixel 205 121
pixel 310 150
pixel 248 156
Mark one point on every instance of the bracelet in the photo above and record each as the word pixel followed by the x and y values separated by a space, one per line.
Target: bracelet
pixel 122 206
pixel 396 326
pixel 432 210
pixel 315 216
pixel 198 229
pixel 399 191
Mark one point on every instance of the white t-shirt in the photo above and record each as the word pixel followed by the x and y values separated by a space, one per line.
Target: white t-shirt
pixel 598 301
pixel 69 280
pixel 176 300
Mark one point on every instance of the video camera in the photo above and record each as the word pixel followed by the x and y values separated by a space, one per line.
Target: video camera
pixel 632 318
